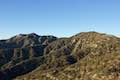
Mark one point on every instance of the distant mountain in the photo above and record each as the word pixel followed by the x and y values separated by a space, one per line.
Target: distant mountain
pixel 85 56
pixel 18 54
pixel 26 40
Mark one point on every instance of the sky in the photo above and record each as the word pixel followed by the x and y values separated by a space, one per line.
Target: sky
pixel 58 17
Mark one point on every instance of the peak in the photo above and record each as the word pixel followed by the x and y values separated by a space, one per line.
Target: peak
pixel 93 37
pixel 33 34
pixel 26 35
pixel 88 33
pixel 20 35
pixel 91 34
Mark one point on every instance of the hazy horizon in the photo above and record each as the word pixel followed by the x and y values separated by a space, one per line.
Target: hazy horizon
pixel 58 17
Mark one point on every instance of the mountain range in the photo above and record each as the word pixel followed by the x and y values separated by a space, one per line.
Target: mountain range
pixel 84 56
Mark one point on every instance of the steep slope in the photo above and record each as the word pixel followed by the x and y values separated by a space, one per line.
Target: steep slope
pixel 85 56
pixel 21 54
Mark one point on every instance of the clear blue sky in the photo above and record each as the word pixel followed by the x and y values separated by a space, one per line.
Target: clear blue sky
pixel 58 17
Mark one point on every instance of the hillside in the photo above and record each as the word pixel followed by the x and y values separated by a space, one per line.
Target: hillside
pixel 19 54
pixel 85 56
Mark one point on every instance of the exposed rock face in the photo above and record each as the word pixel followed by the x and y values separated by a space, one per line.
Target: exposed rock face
pixel 85 56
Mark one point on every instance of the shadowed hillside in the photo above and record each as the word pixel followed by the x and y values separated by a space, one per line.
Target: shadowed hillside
pixel 21 54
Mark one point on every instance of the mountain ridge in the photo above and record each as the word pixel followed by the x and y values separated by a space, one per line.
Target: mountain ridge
pixel 84 56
